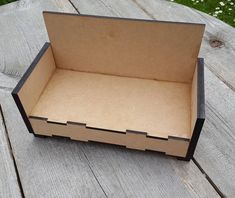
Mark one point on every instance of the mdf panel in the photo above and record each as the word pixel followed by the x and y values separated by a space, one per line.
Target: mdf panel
pixel 125 47
pixel 159 108
pixel 129 139
pixel 36 80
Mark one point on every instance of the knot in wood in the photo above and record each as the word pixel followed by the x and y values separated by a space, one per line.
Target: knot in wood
pixel 216 43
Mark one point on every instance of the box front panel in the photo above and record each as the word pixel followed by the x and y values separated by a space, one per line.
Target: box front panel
pixel 130 139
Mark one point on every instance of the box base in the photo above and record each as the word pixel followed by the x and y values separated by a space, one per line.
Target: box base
pixel 158 108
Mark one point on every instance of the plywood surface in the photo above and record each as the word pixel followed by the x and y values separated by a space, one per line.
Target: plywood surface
pixel 117 103
pixel 145 49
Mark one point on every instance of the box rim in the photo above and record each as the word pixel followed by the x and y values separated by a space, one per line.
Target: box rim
pixel 200 103
pixel 200 110
pixel 123 18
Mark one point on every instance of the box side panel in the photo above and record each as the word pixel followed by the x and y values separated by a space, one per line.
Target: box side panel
pixel 36 82
pixel 124 47
pixel 32 83
pixel 198 107
pixel 130 139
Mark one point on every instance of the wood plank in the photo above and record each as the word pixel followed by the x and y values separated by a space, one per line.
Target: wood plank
pixel 22 34
pixel 8 180
pixel 215 151
pixel 7 82
pixel 45 169
pixel 130 173
pixel 214 87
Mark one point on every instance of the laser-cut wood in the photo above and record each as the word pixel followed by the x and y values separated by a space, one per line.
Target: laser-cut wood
pixel 143 101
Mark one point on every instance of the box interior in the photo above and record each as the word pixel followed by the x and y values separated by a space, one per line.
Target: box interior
pixel 117 75
pixel 117 103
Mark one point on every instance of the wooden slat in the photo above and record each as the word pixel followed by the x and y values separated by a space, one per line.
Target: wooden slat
pixel 23 32
pixel 8 180
pixel 215 151
pixel 130 173
pixel 208 141
pixel 7 82
pixel 47 168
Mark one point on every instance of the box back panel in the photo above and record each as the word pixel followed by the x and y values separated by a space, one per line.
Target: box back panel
pixel 125 47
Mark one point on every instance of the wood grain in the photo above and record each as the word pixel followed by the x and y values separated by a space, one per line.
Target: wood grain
pixel 215 151
pixel 220 103
pixel 23 32
pixel 8 180
pixel 220 60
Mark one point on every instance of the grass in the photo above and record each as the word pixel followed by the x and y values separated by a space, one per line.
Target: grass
pixel 2 2
pixel 221 9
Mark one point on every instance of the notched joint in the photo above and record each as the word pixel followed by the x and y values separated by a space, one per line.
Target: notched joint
pixel 179 138
pixel 136 132
pixel 38 118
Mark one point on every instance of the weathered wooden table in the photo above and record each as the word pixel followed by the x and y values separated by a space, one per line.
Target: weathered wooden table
pixel 34 167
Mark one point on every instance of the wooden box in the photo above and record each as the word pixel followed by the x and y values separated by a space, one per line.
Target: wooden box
pixel 135 83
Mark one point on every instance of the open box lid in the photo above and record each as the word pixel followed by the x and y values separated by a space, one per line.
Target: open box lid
pixel 125 47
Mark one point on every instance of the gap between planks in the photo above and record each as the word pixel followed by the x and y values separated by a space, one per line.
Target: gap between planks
pixel 88 163
pixel 11 153
pixel 216 188
pixel 75 8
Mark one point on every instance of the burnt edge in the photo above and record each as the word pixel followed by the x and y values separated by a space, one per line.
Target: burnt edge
pixel 179 138
pixel 20 84
pixel 121 18
pixel 200 111
pixel 136 132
